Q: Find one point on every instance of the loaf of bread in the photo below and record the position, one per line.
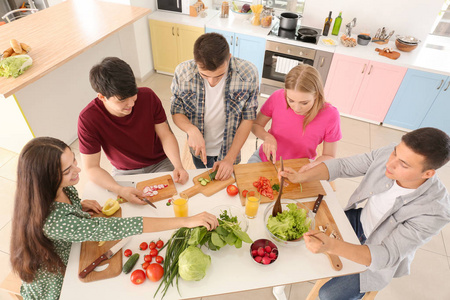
(25, 47)
(8, 52)
(16, 46)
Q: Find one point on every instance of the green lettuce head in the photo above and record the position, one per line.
(193, 263)
(15, 65)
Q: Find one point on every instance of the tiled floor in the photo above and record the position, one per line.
(430, 270)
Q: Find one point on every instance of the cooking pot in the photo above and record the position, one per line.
(288, 20)
(307, 34)
(289, 34)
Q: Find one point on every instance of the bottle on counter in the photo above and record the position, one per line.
(225, 9)
(337, 24)
(327, 25)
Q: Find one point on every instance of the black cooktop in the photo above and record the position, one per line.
(301, 33)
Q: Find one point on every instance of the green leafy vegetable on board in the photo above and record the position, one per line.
(15, 65)
(193, 263)
(276, 187)
(291, 224)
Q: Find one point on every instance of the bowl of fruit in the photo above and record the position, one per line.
(242, 13)
(263, 252)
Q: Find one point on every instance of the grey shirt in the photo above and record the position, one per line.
(413, 220)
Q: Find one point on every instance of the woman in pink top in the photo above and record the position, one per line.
(301, 120)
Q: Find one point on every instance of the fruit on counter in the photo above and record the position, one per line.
(110, 207)
(145, 265)
(154, 252)
(15, 65)
(137, 277)
(148, 258)
(128, 266)
(159, 244)
(143, 246)
(154, 272)
(244, 193)
(127, 253)
(159, 259)
(152, 245)
(245, 8)
(232, 190)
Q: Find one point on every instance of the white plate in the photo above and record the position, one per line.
(329, 42)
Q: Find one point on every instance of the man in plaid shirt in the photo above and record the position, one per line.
(215, 101)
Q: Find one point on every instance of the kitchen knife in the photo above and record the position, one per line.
(274, 165)
(317, 204)
(148, 202)
(107, 255)
(209, 171)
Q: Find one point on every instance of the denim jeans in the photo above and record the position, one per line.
(210, 160)
(346, 287)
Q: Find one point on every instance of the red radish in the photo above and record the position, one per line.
(266, 260)
(261, 251)
(258, 259)
(268, 249)
(254, 253)
(272, 255)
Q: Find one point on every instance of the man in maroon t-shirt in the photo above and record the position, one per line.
(131, 127)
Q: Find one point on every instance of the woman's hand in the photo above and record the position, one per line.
(202, 219)
(270, 147)
(91, 206)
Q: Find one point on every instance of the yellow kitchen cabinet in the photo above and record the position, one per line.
(172, 44)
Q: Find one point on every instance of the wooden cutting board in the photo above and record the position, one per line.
(246, 174)
(91, 251)
(165, 193)
(392, 55)
(209, 189)
(324, 218)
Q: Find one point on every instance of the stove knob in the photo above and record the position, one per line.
(301, 53)
(276, 48)
(289, 51)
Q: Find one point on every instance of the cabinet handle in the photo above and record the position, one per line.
(231, 41)
(447, 87)
(236, 41)
(173, 33)
(364, 68)
(371, 66)
(322, 61)
(178, 31)
(442, 81)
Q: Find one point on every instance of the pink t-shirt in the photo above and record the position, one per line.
(287, 128)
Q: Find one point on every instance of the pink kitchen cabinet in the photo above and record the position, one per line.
(362, 88)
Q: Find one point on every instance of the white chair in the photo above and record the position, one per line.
(18, 13)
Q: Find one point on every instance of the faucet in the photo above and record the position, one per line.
(349, 26)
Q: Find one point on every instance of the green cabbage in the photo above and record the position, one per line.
(193, 263)
(290, 224)
(15, 65)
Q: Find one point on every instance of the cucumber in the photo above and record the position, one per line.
(128, 266)
(203, 182)
(200, 179)
(207, 180)
(213, 175)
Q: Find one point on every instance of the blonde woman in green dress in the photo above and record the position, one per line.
(49, 216)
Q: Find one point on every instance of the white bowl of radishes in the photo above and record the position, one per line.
(264, 252)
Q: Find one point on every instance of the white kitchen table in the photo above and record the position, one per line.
(231, 270)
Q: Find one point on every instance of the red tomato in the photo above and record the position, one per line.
(137, 277)
(152, 245)
(159, 244)
(154, 252)
(154, 272)
(148, 258)
(127, 253)
(159, 259)
(232, 190)
(145, 265)
(244, 193)
(143, 246)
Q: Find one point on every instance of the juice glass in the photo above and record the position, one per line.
(252, 200)
(180, 205)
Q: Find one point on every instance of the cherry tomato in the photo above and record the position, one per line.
(145, 265)
(159, 259)
(159, 244)
(137, 277)
(232, 190)
(148, 258)
(152, 245)
(154, 252)
(143, 246)
(127, 253)
(244, 193)
(154, 272)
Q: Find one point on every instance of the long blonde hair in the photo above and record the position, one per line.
(305, 78)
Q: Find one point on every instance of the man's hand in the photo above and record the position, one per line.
(197, 142)
(132, 195)
(309, 166)
(290, 174)
(315, 245)
(224, 169)
(270, 147)
(91, 206)
(180, 176)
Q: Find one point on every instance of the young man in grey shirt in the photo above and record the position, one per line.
(406, 206)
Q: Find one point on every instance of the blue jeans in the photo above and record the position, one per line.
(210, 160)
(346, 287)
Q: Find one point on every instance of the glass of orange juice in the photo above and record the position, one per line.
(252, 200)
(180, 205)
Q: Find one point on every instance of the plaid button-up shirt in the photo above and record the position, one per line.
(240, 99)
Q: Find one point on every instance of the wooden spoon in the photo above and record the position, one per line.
(277, 206)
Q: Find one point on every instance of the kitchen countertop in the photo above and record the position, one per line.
(80, 26)
(179, 18)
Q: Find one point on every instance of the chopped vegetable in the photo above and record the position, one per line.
(276, 187)
(193, 263)
(110, 207)
(289, 225)
(15, 65)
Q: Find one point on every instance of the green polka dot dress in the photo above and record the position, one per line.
(68, 224)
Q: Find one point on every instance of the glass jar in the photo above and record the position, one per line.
(225, 9)
(266, 17)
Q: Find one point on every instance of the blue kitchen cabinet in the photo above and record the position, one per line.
(438, 115)
(414, 98)
(244, 46)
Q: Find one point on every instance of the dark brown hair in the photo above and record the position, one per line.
(305, 78)
(432, 143)
(211, 50)
(39, 176)
(113, 77)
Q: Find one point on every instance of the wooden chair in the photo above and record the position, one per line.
(319, 283)
(12, 284)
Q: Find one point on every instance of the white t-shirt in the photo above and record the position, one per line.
(214, 116)
(378, 205)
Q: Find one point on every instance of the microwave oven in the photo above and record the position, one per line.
(181, 6)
